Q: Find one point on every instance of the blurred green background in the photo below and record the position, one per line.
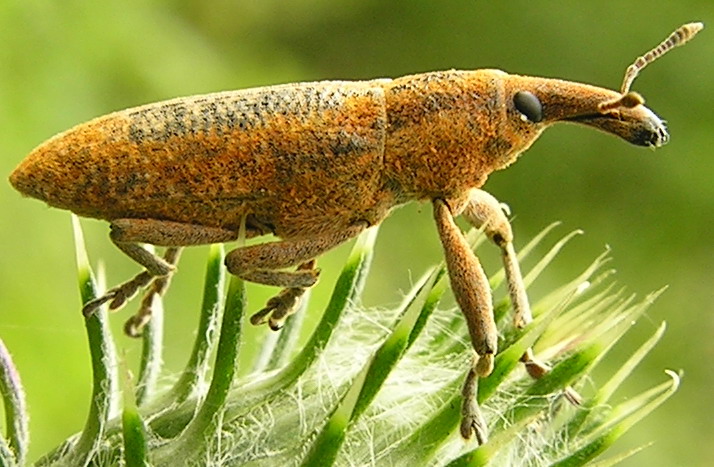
(62, 63)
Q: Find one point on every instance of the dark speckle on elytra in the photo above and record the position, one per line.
(207, 114)
(348, 144)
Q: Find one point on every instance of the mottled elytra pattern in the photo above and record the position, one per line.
(242, 110)
(280, 154)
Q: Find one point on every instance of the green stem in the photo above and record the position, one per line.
(199, 362)
(205, 425)
(103, 358)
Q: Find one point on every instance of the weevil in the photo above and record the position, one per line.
(317, 163)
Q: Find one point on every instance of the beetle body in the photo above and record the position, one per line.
(303, 159)
(317, 163)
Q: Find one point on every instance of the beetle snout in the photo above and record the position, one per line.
(625, 115)
(654, 131)
(638, 125)
(653, 134)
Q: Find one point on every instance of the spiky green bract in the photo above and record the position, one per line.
(176, 406)
(621, 419)
(194, 375)
(133, 430)
(104, 362)
(205, 425)
(134, 436)
(151, 358)
(13, 447)
(369, 381)
(383, 386)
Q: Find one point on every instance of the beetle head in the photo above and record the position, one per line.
(529, 105)
(542, 102)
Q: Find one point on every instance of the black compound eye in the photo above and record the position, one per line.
(528, 105)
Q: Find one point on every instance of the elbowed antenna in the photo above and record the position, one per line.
(629, 99)
(681, 36)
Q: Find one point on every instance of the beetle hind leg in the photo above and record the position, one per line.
(156, 289)
(127, 235)
(156, 268)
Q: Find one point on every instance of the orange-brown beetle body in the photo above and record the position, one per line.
(308, 159)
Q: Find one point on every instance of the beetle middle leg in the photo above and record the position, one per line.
(263, 264)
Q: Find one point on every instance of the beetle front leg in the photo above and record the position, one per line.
(484, 211)
(473, 294)
(263, 263)
(470, 286)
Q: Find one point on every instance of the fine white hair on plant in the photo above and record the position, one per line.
(382, 386)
